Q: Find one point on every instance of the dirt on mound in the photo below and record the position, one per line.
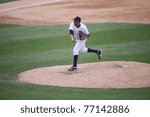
(113, 74)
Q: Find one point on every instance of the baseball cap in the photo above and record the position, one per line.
(77, 18)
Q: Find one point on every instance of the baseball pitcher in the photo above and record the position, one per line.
(79, 34)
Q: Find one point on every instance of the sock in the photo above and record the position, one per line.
(92, 50)
(75, 59)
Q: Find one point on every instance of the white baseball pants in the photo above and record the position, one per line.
(80, 47)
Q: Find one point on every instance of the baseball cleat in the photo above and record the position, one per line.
(99, 53)
(72, 69)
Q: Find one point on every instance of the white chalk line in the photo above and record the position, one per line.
(26, 6)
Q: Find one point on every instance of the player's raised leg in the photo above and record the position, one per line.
(98, 52)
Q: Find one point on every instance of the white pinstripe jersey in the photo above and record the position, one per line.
(76, 30)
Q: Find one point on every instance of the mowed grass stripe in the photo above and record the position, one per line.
(3, 1)
(18, 91)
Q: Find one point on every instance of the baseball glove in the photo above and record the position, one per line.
(82, 35)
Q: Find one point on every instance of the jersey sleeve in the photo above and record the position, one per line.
(71, 26)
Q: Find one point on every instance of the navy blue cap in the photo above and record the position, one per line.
(77, 18)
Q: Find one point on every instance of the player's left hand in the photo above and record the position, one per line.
(72, 40)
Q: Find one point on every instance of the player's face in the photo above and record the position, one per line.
(76, 23)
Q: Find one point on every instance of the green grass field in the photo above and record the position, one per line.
(27, 47)
(3, 1)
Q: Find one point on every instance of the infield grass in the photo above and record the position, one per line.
(27, 47)
(3, 1)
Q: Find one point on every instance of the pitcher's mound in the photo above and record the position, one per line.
(115, 74)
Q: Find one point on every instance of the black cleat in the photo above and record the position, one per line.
(72, 69)
(99, 53)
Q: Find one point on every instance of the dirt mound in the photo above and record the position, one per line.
(113, 74)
